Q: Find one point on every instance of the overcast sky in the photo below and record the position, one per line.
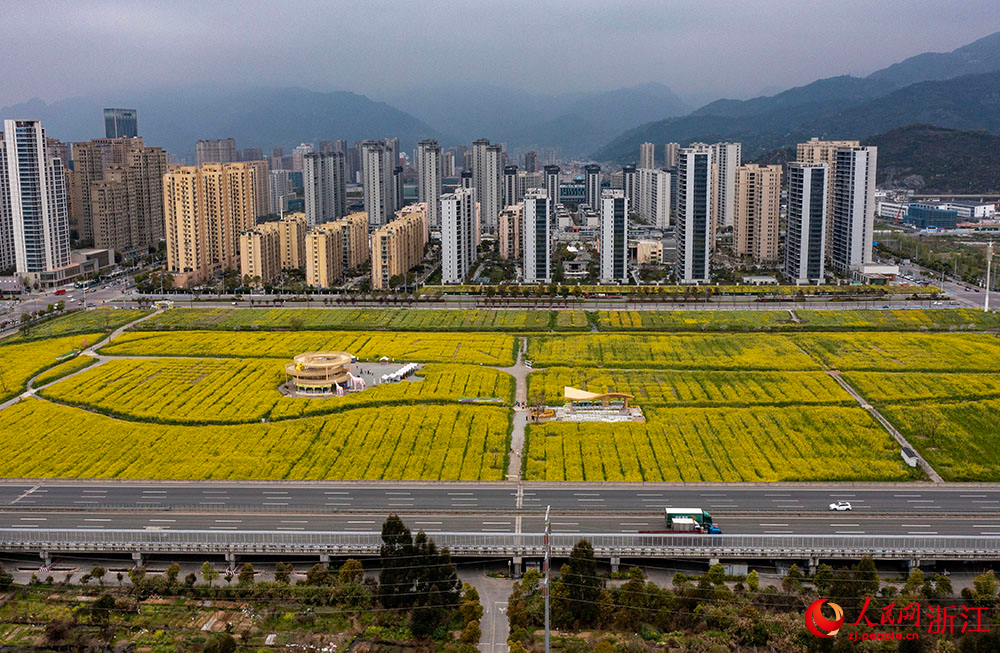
(699, 48)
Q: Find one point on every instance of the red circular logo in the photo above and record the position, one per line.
(815, 619)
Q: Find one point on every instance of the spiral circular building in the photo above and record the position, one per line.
(319, 372)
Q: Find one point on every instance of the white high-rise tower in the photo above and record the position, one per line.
(429, 180)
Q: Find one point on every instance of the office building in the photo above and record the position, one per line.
(805, 231)
(34, 209)
(429, 173)
(552, 187)
(670, 154)
(379, 190)
(220, 150)
(757, 193)
(653, 190)
(693, 221)
(509, 231)
(398, 246)
(647, 155)
(726, 157)
(325, 186)
(510, 188)
(630, 184)
(853, 207)
(592, 182)
(817, 151)
(260, 256)
(324, 260)
(531, 161)
(614, 236)
(121, 123)
(206, 209)
(458, 235)
(536, 239)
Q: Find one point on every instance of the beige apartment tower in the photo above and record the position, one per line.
(509, 233)
(757, 208)
(260, 256)
(399, 245)
(206, 209)
(817, 151)
(324, 254)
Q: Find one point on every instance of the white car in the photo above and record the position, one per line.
(840, 506)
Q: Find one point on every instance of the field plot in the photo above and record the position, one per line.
(944, 319)
(690, 387)
(893, 387)
(717, 351)
(817, 443)
(19, 361)
(230, 391)
(415, 319)
(102, 320)
(961, 440)
(900, 352)
(394, 443)
(694, 320)
(485, 348)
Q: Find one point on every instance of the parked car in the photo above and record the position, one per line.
(841, 506)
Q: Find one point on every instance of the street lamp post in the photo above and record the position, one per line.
(989, 262)
(545, 580)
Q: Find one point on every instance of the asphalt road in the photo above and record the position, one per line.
(572, 497)
(499, 508)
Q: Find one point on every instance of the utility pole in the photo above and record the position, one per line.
(545, 580)
(989, 261)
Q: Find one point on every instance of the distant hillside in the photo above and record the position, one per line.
(978, 57)
(938, 160)
(841, 106)
(263, 117)
(971, 103)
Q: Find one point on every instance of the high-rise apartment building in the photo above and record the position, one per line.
(398, 199)
(325, 186)
(379, 191)
(653, 190)
(429, 172)
(817, 151)
(399, 245)
(34, 209)
(121, 123)
(324, 260)
(647, 155)
(355, 242)
(252, 154)
(757, 194)
(805, 231)
(509, 231)
(536, 240)
(853, 207)
(206, 209)
(614, 236)
(299, 153)
(630, 184)
(280, 191)
(260, 256)
(693, 223)
(531, 161)
(458, 235)
(220, 150)
(552, 187)
(487, 175)
(261, 185)
(670, 154)
(510, 188)
(726, 157)
(448, 164)
(526, 180)
(291, 239)
(592, 184)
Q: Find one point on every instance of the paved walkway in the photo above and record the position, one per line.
(893, 431)
(520, 373)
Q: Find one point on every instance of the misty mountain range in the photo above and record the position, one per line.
(959, 89)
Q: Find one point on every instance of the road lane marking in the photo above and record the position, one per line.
(426, 522)
(228, 521)
(849, 532)
(915, 525)
(156, 520)
(271, 503)
(777, 532)
(774, 524)
(921, 532)
(361, 521)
